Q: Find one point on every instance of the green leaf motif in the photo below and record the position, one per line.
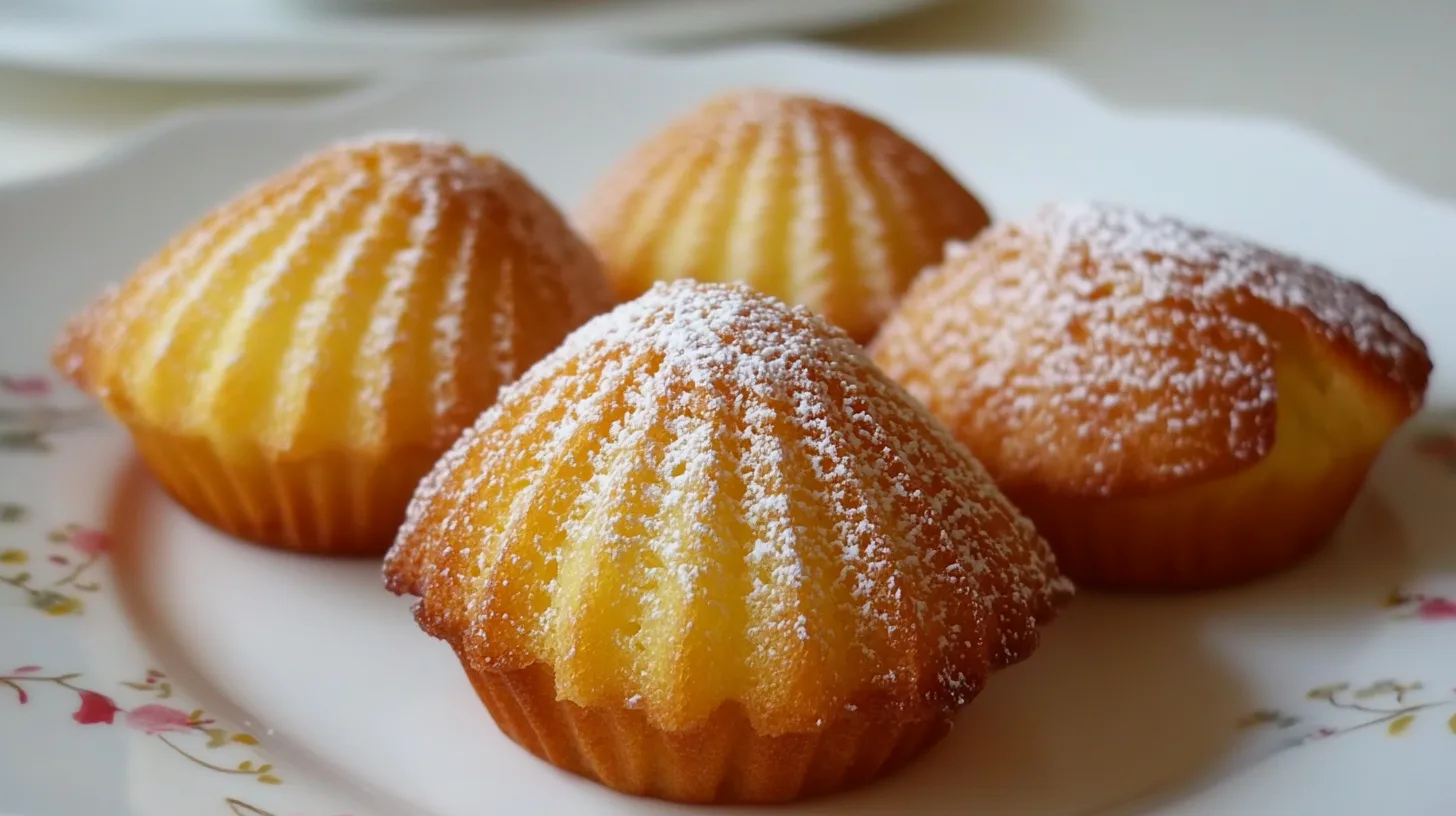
(269, 779)
(245, 765)
(1377, 689)
(11, 513)
(164, 690)
(216, 738)
(23, 442)
(1327, 692)
(14, 557)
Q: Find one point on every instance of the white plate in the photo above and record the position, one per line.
(326, 40)
(1342, 671)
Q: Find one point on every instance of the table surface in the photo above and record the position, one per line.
(1377, 78)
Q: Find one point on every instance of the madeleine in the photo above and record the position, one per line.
(292, 364)
(706, 552)
(806, 200)
(1174, 408)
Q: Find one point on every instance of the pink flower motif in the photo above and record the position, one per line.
(33, 386)
(91, 542)
(95, 708)
(1435, 609)
(26, 670)
(158, 719)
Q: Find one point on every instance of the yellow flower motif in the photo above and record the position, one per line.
(55, 604)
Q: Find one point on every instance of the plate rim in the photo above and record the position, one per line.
(154, 135)
(52, 46)
(159, 135)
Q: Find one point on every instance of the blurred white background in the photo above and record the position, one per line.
(1375, 77)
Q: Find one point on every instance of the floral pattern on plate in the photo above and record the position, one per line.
(1421, 606)
(153, 719)
(28, 418)
(56, 585)
(56, 578)
(1390, 704)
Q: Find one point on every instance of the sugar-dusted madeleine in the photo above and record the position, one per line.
(291, 365)
(705, 551)
(1173, 407)
(806, 200)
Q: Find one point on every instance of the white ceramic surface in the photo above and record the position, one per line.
(1330, 689)
(323, 40)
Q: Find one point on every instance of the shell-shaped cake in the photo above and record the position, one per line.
(1174, 407)
(705, 551)
(803, 199)
(291, 365)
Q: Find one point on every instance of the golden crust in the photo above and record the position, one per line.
(305, 348)
(722, 760)
(806, 200)
(706, 497)
(1094, 351)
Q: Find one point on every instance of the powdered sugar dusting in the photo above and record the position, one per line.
(1092, 332)
(748, 439)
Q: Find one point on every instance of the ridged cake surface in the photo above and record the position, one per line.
(1171, 404)
(807, 200)
(365, 305)
(707, 498)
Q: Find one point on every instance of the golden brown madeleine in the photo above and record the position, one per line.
(1173, 407)
(707, 552)
(291, 365)
(805, 200)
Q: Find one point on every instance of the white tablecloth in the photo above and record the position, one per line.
(1377, 77)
